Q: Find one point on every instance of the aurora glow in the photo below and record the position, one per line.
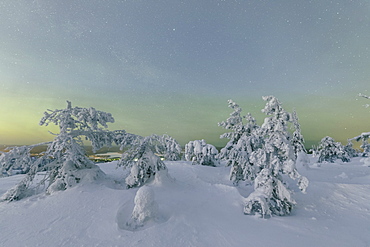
(170, 66)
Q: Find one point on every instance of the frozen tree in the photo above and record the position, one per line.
(297, 141)
(235, 124)
(270, 196)
(243, 140)
(16, 158)
(146, 208)
(11, 160)
(201, 153)
(329, 151)
(364, 137)
(164, 146)
(276, 158)
(348, 149)
(71, 163)
(241, 158)
(65, 160)
(297, 138)
(243, 167)
(140, 158)
(169, 148)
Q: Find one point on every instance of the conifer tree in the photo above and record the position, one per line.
(242, 142)
(297, 138)
(276, 158)
(235, 124)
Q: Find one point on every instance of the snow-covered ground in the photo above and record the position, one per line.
(197, 206)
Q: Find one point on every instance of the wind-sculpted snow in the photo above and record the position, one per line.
(196, 206)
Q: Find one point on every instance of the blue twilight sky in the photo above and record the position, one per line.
(170, 66)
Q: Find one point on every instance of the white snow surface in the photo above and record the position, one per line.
(197, 206)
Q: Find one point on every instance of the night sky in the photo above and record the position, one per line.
(170, 66)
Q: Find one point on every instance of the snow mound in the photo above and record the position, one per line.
(145, 211)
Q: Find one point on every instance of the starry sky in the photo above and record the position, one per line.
(170, 66)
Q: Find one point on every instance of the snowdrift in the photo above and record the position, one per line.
(192, 206)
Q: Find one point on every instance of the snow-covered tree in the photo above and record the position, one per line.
(201, 153)
(15, 158)
(235, 124)
(329, 150)
(141, 158)
(264, 155)
(297, 139)
(71, 163)
(270, 196)
(364, 137)
(348, 149)
(276, 158)
(65, 161)
(243, 140)
(365, 145)
(169, 148)
(243, 167)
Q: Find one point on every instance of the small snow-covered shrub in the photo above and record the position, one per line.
(16, 158)
(201, 153)
(146, 208)
(328, 150)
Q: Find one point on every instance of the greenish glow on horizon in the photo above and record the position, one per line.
(164, 67)
(186, 122)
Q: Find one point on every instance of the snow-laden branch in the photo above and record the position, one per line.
(366, 97)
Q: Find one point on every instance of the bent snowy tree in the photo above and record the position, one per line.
(64, 163)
